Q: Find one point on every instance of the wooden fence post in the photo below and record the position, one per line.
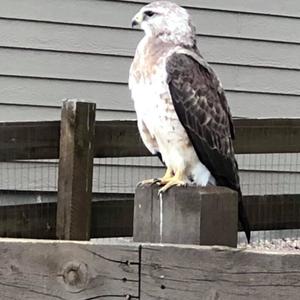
(186, 215)
(75, 170)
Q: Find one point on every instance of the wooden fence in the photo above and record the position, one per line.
(113, 216)
(51, 270)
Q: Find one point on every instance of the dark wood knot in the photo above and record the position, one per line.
(75, 276)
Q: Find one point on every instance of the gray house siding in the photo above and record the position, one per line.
(83, 49)
(54, 49)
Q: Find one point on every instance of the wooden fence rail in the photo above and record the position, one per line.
(83, 270)
(40, 140)
(112, 215)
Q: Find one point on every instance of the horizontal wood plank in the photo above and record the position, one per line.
(267, 136)
(38, 270)
(193, 273)
(35, 269)
(40, 140)
(112, 215)
(26, 140)
(273, 212)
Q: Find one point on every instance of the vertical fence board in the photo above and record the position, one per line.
(75, 170)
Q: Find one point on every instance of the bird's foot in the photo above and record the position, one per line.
(173, 182)
(169, 175)
(160, 181)
(149, 181)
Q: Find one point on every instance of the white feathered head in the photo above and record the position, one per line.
(167, 21)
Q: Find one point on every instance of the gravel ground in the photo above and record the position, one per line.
(284, 244)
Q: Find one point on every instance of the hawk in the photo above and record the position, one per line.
(182, 112)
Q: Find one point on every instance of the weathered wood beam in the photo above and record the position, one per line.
(193, 273)
(29, 140)
(75, 174)
(112, 215)
(32, 269)
(40, 140)
(273, 212)
(64, 270)
(121, 138)
(267, 136)
(186, 215)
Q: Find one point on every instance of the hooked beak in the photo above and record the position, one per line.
(137, 20)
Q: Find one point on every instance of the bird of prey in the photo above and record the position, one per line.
(182, 112)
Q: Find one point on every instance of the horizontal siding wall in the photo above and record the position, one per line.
(54, 49)
(50, 50)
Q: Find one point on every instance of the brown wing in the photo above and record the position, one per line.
(202, 108)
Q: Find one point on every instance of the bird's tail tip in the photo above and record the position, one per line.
(243, 218)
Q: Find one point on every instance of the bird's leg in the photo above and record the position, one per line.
(161, 181)
(178, 180)
(167, 177)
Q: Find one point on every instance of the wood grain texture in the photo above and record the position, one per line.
(75, 174)
(72, 270)
(36, 270)
(186, 215)
(193, 273)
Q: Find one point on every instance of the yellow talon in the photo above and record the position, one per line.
(160, 181)
(177, 180)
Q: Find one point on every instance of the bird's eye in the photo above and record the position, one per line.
(149, 13)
